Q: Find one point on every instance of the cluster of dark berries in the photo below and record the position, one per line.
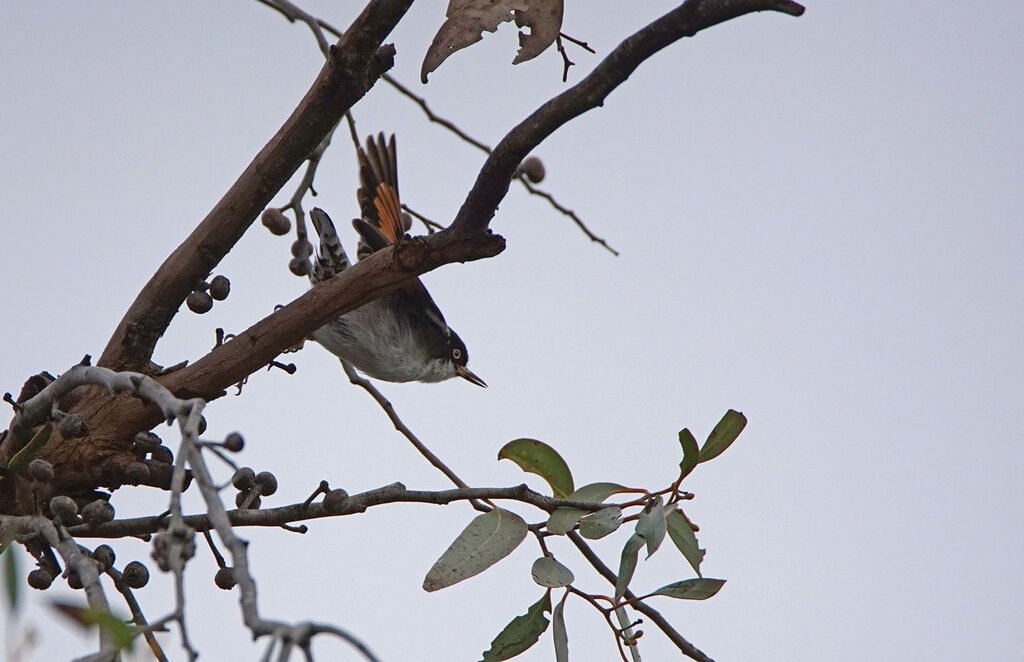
(201, 299)
(252, 486)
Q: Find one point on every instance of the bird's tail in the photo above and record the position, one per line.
(330, 257)
(383, 222)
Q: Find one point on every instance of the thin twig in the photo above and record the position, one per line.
(422, 103)
(607, 613)
(566, 62)
(352, 128)
(306, 184)
(684, 646)
(219, 519)
(582, 44)
(294, 13)
(429, 224)
(568, 212)
(86, 568)
(138, 617)
(389, 409)
(356, 503)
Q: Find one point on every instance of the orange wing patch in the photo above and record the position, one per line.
(389, 211)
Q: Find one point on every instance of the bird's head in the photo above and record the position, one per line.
(459, 357)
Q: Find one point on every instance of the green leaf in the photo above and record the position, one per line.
(627, 564)
(681, 533)
(691, 454)
(536, 457)
(564, 519)
(31, 449)
(558, 633)
(521, 632)
(723, 435)
(548, 572)
(122, 634)
(597, 492)
(488, 539)
(599, 524)
(10, 559)
(651, 525)
(692, 589)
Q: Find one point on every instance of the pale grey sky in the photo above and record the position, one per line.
(820, 222)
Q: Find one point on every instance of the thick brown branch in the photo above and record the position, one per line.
(368, 279)
(354, 64)
(685, 21)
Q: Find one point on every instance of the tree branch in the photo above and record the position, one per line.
(346, 76)
(363, 282)
(392, 415)
(466, 239)
(685, 21)
(354, 65)
(356, 503)
(684, 646)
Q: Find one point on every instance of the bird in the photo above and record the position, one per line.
(401, 336)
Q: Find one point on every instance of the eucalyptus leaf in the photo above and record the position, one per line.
(488, 539)
(692, 589)
(599, 524)
(564, 519)
(723, 435)
(691, 454)
(31, 449)
(548, 572)
(681, 533)
(121, 634)
(521, 632)
(536, 457)
(597, 492)
(651, 525)
(558, 634)
(627, 564)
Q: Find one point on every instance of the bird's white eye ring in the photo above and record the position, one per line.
(456, 353)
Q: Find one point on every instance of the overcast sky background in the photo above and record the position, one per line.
(820, 222)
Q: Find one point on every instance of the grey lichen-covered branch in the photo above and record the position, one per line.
(174, 545)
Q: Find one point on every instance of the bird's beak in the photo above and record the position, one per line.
(467, 374)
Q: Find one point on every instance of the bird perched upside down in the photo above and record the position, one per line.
(401, 336)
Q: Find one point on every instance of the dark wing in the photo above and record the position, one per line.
(381, 223)
(422, 314)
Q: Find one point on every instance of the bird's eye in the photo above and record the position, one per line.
(456, 353)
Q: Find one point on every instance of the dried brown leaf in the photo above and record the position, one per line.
(544, 18)
(467, 19)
